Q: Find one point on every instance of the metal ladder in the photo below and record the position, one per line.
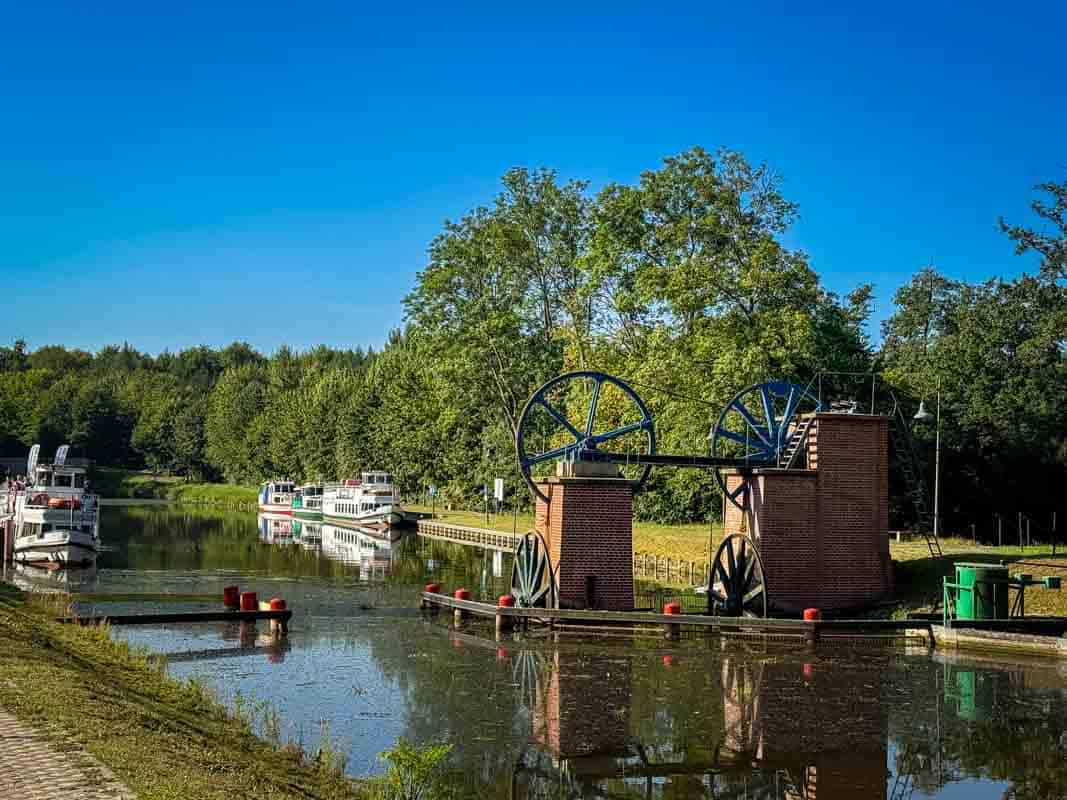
(904, 449)
(796, 443)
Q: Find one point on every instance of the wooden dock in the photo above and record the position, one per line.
(180, 617)
(461, 534)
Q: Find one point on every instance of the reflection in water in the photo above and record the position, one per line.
(544, 714)
(32, 578)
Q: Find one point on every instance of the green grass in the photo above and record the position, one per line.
(688, 542)
(120, 483)
(164, 739)
(918, 576)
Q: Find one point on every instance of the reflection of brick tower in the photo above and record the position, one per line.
(823, 531)
(786, 719)
(578, 712)
(588, 526)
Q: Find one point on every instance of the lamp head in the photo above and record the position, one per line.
(922, 415)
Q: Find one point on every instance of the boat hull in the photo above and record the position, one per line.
(56, 550)
(275, 508)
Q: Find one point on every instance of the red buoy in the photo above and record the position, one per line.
(506, 600)
(673, 607)
(461, 594)
(277, 604)
(231, 597)
(432, 588)
(249, 602)
(812, 615)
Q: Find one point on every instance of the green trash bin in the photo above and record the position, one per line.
(983, 592)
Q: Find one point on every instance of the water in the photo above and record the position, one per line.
(568, 716)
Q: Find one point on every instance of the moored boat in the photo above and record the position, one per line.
(276, 497)
(370, 500)
(307, 501)
(56, 520)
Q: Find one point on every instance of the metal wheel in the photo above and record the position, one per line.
(737, 587)
(533, 582)
(575, 413)
(757, 426)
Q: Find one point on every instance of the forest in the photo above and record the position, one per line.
(680, 282)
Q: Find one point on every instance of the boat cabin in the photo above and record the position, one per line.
(276, 492)
(376, 480)
(68, 480)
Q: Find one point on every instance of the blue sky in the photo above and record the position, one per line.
(274, 173)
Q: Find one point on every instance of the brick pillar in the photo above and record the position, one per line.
(588, 526)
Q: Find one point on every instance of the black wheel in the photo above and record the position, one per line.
(741, 681)
(533, 582)
(737, 586)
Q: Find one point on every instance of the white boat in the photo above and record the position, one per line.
(307, 502)
(57, 523)
(371, 553)
(370, 500)
(276, 497)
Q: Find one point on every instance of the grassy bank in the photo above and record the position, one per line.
(162, 738)
(689, 542)
(122, 483)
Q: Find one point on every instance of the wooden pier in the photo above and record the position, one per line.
(180, 617)
(461, 534)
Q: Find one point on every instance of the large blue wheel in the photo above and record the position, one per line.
(576, 413)
(757, 426)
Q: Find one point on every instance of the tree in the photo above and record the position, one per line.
(1050, 245)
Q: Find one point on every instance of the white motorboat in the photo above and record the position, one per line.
(57, 523)
(370, 500)
(276, 497)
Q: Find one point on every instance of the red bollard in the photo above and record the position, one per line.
(460, 615)
(668, 661)
(231, 598)
(427, 605)
(673, 608)
(504, 623)
(809, 672)
(278, 626)
(813, 615)
(249, 602)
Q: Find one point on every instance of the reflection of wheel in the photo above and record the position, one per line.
(574, 414)
(532, 581)
(737, 586)
(527, 668)
(758, 426)
(741, 681)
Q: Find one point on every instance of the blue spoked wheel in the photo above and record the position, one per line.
(756, 428)
(573, 416)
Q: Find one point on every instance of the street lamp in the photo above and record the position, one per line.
(922, 415)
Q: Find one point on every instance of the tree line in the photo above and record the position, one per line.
(680, 282)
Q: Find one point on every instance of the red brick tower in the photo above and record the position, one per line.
(823, 531)
(587, 524)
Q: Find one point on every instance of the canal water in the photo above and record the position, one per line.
(541, 715)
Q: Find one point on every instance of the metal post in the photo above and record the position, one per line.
(1054, 534)
(1000, 531)
(1020, 525)
(937, 466)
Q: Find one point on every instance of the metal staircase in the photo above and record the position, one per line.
(911, 469)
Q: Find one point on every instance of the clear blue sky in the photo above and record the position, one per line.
(274, 173)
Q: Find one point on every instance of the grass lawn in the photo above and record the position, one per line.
(109, 482)
(688, 542)
(165, 740)
(918, 576)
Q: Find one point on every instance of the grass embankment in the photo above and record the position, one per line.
(162, 738)
(918, 576)
(688, 542)
(120, 483)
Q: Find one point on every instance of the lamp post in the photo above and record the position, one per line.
(923, 415)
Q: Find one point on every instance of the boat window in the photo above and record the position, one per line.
(62, 480)
(79, 481)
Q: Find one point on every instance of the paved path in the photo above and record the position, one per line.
(34, 768)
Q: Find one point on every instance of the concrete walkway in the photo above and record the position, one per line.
(34, 768)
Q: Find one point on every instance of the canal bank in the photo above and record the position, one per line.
(160, 737)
